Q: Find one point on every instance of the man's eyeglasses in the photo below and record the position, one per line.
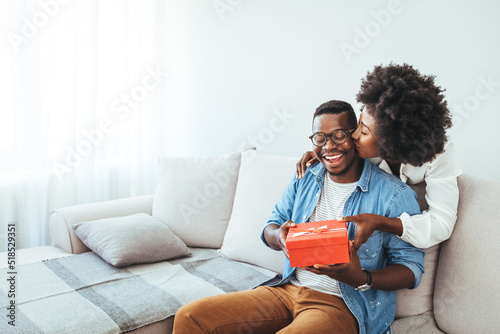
(339, 137)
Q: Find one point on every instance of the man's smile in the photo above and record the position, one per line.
(333, 158)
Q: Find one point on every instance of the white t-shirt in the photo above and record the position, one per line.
(330, 206)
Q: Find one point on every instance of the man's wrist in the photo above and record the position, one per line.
(277, 236)
(368, 282)
(271, 234)
(360, 278)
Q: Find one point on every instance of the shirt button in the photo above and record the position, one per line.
(304, 217)
(317, 195)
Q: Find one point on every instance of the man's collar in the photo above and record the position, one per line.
(317, 168)
(364, 180)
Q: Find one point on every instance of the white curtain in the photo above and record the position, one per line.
(83, 89)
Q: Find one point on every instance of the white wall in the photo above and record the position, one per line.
(235, 65)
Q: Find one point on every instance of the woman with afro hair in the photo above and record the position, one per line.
(402, 129)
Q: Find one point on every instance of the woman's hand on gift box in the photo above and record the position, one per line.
(367, 223)
(349, 273)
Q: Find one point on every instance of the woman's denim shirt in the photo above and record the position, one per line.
(376, 192)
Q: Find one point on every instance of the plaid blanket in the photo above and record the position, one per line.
(84, 294)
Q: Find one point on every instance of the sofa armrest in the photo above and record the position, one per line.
(62, 220)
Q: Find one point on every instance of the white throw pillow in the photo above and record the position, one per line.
(195, 197)
(262, 180)
(137, 238)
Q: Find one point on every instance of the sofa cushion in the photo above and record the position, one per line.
(466, 289)
(137, 238)
(418, 324)
(420, 300)
(262, 180)
(32, 255)
(195, 197)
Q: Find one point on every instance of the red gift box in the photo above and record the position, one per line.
(322, 242)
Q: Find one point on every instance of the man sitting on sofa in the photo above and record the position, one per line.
(355, 297)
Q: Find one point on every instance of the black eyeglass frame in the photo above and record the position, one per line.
(330, 136)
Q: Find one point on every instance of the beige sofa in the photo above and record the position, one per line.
(223, 202)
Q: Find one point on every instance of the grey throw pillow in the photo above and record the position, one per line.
(133, 239)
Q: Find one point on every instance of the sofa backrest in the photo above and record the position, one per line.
(466, 290)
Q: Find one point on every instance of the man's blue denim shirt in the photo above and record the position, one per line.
(376, 192)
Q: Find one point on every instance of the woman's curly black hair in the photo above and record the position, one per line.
(410, 112)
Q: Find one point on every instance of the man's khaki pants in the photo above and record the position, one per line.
(283, 309)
